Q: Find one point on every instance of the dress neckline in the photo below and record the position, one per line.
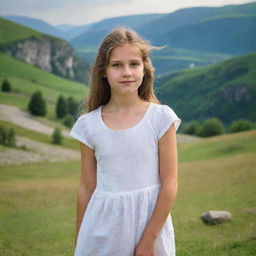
(127, 129)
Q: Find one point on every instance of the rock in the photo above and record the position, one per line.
(251, 210)
(216, 217)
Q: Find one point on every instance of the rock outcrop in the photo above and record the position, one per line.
(50, 54)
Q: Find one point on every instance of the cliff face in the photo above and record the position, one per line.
(49, 54)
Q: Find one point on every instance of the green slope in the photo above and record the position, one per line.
(26, 79)
(12, 32)
(229, 35)
(226, 90)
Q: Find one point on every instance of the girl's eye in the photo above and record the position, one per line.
(115, 65)
(135, 64)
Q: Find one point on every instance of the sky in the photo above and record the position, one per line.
(81, 12)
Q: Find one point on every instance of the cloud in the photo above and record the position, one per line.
(86, 11)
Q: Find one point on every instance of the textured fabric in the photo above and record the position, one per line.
(128, 183)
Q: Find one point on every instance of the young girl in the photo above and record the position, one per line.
(128, 156)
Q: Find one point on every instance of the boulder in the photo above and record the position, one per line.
(216, 217)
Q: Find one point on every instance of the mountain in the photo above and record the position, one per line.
(228, 35)
(37, 24)
(49, 53)
(64, 31)
(196, 36)
(95, 34)
(226, 90)
(189, 16)
(65, 27)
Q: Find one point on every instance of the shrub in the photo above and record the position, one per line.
(212, 127)
(69, 121)
(61, 107)
(10, 140)
(57, 137)
(6, 86)
(3, 135)
(241, 125)
(37, 105)
(7, 137)
(193, 128)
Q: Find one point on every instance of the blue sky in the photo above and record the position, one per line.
(80, 12)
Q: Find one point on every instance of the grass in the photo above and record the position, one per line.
(224, 184)
(218, 146)
(37, 136)
(38, 203)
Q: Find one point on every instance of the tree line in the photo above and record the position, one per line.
(213, 126)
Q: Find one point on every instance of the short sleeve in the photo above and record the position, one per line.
(165, 118)
(80, 132)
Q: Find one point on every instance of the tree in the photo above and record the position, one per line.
(69, 121)
(193, 128)
(212, 127)
(37, 105)
(6, 86)
(241, 125)
(57, 137)
(61, 107)
(72, 106)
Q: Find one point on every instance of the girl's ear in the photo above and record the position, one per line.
(104, 75)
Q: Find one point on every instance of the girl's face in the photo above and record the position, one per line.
(125, 69)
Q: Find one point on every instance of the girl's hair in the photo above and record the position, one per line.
(100, 91)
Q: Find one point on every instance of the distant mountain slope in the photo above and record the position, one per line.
(95, 34)
(36, 24)
(188, 16)
(64, 31)
(226, 90)
(229, 35)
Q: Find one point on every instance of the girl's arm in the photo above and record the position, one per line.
(87, 183)
(169, 176)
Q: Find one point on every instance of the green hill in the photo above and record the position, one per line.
(228, 35)
(12, 32)
(47, 52)
(226, 90)
(25, 79)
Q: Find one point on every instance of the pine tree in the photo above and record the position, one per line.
(72, 106)
(6, 86)
(61, 107)
(37, 105)
(57, 137)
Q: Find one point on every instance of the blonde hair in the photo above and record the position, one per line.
(100, 91)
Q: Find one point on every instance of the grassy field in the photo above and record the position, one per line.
(38, 202)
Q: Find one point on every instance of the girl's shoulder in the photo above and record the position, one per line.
(164, 116)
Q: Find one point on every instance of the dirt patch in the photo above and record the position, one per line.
(26, 120)
(36, 152)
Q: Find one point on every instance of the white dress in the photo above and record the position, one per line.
(128, 183)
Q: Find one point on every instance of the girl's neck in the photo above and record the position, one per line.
(125, 103)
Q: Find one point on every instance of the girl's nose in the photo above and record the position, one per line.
(127, 71)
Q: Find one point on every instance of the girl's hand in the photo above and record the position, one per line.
(145, 247)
